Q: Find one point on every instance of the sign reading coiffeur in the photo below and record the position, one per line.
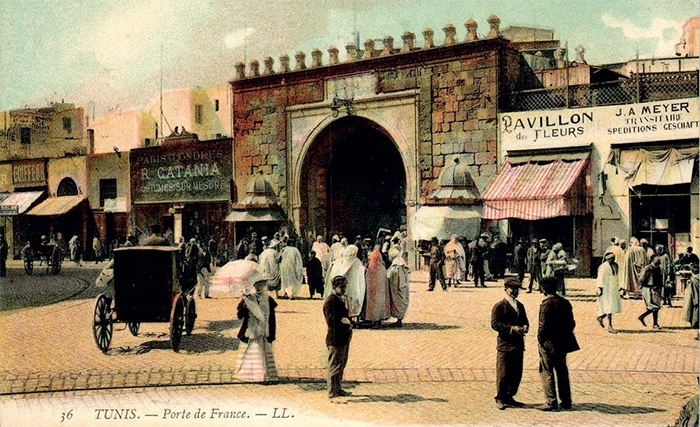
(189, 172)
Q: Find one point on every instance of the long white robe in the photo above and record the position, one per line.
(291, 270)
(609, 302)
(270, 268)
(350, 267)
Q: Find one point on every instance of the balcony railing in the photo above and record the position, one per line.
(638, 88)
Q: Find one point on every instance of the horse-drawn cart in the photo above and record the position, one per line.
(48, 253)
(147, 287)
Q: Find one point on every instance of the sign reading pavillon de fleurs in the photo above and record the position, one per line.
(193, 172)
(652, 121)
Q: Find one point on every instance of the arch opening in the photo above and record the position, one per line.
(67, 187)
(353, 180)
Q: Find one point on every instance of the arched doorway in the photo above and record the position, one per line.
(67, 187)
(353, 180)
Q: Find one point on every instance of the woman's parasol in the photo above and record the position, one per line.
(236, 278)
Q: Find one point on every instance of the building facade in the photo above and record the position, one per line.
(42, 174)
(360, 144)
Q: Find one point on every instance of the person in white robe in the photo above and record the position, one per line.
(350, 267)
(323, 252)
(608, 290)
(291, 270)
(270, 268)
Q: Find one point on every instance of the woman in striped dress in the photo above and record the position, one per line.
(257, 363)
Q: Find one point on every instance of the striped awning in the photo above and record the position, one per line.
(54, 206)
(540, 186)
(17, 203)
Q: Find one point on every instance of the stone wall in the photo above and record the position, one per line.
(456, 88)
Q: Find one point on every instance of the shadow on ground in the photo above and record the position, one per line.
(190, 344)
(398, 398)
(606, 408)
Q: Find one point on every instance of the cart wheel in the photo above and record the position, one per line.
(190, 316)
(28, 266)
(177, 322)
(102, 323)
(134, 328)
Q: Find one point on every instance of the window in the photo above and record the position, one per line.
(25, 135)
(147, 142)
(216, 105)
(108, 190)
(198, 114)
(67, 125)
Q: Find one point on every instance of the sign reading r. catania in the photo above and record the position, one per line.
(652, 121)
(188, 172)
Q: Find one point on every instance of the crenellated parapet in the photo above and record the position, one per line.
(371, 50)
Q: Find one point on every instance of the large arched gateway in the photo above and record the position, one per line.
(353, 180)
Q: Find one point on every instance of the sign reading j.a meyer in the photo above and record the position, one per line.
(652, 121)
(188, 172)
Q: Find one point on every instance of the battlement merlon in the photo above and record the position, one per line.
(355, 54)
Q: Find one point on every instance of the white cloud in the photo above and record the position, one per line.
(665, 32)
(238, 38)
(635, 32)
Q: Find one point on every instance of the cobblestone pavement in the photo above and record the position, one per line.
(438, 369)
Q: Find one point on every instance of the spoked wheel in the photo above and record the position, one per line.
(134, 328)
(102, 323)
(177, 322)
(190, 316)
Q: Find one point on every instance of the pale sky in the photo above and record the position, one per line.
(108, 53)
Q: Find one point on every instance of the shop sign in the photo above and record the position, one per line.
(29, 173)
(190, 172)
(9, 210)
(651, 121)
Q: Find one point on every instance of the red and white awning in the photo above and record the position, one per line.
(540, 186)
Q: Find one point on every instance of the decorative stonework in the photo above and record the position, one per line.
(269, 63)
(450, 34)
(284, 64)
(494, 23)
(471, 30)
(428, 42)
(409, 40)
(301, 61)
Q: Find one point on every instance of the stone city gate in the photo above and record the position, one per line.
(368, 142)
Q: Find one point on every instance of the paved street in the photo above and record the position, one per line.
(437, 370)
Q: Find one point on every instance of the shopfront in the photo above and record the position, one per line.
(184, 186)
(545, 194)
(641, 176)
(30, 185)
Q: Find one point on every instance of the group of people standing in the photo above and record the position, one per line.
(361, 286)
(638, 271)
(483, 260)
(555, 338)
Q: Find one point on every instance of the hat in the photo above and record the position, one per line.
(543, 240)
(534, 241)
(512, 282)
(609, 255)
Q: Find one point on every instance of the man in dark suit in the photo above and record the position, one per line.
(509, 319)
(338, 336)
(556, 339)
